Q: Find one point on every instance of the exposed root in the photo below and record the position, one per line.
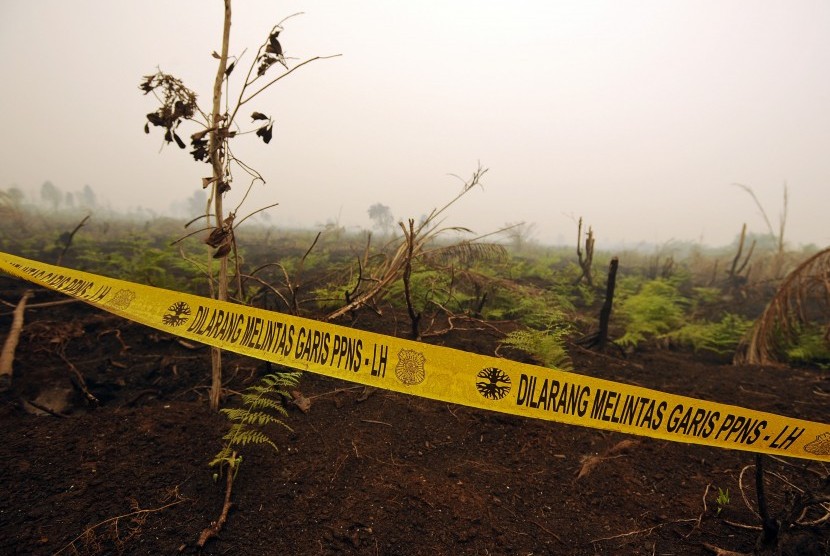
(139, 516)
(703, 513)
(638, 531)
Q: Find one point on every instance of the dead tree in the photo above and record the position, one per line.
(782, 216)
(586, 258)
(734, 279)
(414, 316)
(66, 239)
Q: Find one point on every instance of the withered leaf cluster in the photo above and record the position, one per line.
(221, 238)
(273, 53)
(177, 103)
(267, 130)
(200, 143)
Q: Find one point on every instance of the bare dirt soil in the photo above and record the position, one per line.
(367, 471)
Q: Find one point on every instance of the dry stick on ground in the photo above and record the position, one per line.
(10, 345)
(40, 305)
(78, 380)
(216, 526)
(638, 531)
(721, 552)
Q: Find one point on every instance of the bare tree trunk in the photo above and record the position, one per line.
(217, 161)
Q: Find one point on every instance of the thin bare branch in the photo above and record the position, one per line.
(286, 74)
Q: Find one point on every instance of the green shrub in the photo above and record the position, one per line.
(810, 347)
(655, 310)
(717, 337)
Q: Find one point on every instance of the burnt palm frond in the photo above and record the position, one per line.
(802, 299)
(466, 252)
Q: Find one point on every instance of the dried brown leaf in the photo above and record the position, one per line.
(588, 464)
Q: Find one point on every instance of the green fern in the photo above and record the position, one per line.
(811, 346)
(548, 346)
(261, 406)
(657, 309)
(717, 337)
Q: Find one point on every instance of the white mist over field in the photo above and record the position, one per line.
(637, 116)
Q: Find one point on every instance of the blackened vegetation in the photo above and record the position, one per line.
(221, 238)
(178, 103)
(273, 53)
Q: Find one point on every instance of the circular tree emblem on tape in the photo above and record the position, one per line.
(820, 446)
(494, 384)
(177, 314)
(410, 367)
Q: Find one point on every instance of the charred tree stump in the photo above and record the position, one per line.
(769, 526)
(605, 312)
(599, 339)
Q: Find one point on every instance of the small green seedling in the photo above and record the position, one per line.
(722, 500)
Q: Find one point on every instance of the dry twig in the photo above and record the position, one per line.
(115, 519)
(216, 526)
(10, 345)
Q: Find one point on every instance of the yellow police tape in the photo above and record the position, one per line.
(436, 372)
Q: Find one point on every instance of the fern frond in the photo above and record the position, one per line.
(242, 435)
(247, 417)
(259, 402)
(224, 456)
(261, 406)
(282, 379)
(255, 437)
(548, 346)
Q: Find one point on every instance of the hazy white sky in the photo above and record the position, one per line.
(636, 115)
